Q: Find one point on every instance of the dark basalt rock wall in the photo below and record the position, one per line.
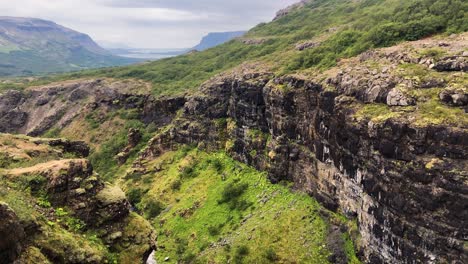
(406, 185)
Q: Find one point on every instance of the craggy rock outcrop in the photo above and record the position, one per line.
(11, 118)
(134, 137)
(289, 9)
(456, 63)
(397, 98)
(161, 111)
(12, 235)
(38, 109)
(70, 184)
(454, 97)
(78, 148)
(365, 85)
(405, 184)
(252, 41)
(307, 45)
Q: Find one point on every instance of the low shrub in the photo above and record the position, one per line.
(241, 252)
(153, 208)
(134, 196)
(214, 230)
(271, 255)
(231, 195)
(175, 185)
(232, 191)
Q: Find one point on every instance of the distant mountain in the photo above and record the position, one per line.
(217, 38)
(35, 46)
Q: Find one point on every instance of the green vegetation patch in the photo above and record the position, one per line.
(377, 113)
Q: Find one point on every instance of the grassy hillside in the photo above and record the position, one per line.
(341, 29)
(209, 208)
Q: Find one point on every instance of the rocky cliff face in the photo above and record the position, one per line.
(399, 172)
(12, 234)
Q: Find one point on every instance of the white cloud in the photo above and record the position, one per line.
(148, 23)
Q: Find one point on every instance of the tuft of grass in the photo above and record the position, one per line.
(153, 209)
(350, 250)
(241, 252)
(436, 53)
(377, 113)
(435, 113)
(52, 133)
(271, 255)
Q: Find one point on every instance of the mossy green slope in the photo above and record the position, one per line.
(208, 208)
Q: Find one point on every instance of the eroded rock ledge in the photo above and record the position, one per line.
(54, 189)
(39, 109)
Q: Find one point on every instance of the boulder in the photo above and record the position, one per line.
(454, 97)
(397, 98)
(456, 63)
(134, 137)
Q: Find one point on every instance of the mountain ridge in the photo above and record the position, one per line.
(217, 38)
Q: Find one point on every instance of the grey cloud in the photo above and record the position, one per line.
(241, 6)
(149, 23)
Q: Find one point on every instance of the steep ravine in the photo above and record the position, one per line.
(404, 181)
(373, 142)
(379, 173)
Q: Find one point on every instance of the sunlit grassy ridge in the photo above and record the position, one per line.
(208, 208)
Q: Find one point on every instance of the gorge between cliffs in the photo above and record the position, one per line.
(403, 183)
(336, 133)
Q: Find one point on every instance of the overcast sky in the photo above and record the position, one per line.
(148, 23)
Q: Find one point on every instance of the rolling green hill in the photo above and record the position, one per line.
(33, 46)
